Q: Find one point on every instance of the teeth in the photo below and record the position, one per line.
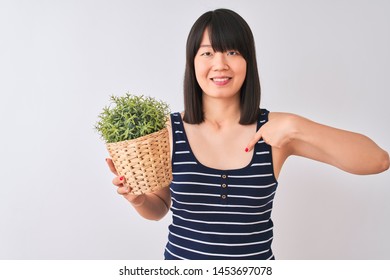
(220, 79)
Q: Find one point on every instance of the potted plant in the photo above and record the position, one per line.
(134, 129)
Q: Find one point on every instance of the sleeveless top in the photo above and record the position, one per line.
(220, 214)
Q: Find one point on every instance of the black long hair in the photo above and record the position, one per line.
(227, 31)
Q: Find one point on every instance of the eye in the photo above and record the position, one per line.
(206, 54)
(233, 53)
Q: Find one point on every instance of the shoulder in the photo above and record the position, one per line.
(288, 119)
(264, 113)
(173, 119)
(273, 115)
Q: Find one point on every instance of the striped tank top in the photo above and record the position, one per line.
(220, 214)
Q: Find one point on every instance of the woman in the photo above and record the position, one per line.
(227, 153)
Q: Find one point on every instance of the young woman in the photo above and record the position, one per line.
(227, 153)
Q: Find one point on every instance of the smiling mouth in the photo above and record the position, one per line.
(221, 80)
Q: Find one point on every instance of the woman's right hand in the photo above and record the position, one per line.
(125, 191)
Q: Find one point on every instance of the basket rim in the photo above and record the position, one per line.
(141, 138)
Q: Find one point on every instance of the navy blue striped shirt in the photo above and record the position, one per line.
(220, 214)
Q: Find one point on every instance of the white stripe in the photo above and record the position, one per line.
(176, 122)
(222, 205)
(223, 233)
(251, 176)
(197, 173)
(253, 187)
(219, 255)
(178, 131)
(263, 121)
(261, 164)
(251, 197)
(261, 142)
(196, 183)
(221, 212)
(220, 223)
(182, 152)
(262, 153)
(221, 244)
(184, 162)
(270, 257)
(175, 115)
(175, 255)
(200, 194)
(180, 142)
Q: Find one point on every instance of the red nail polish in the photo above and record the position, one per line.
(246, 149)
(121, 178)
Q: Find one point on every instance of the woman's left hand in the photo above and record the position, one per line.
(277, 132)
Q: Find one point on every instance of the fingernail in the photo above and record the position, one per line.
(246, 149)
(121, 178)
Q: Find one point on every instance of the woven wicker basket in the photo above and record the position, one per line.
(144, 162)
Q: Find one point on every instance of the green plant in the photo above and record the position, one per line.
(131, 116)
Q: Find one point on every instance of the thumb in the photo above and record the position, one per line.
(253, 141)
(111, 166)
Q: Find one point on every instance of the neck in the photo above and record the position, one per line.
(221, 112)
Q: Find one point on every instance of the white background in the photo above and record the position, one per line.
(60, 61)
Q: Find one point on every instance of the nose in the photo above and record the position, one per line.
(220, 62)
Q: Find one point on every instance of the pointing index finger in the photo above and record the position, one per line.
(253, 142)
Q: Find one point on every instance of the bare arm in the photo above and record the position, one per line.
(349, 151)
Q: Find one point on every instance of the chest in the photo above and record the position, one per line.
(221, 149)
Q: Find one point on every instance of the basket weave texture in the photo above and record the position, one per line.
(144, 162)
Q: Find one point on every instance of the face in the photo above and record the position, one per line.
(219, 74)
